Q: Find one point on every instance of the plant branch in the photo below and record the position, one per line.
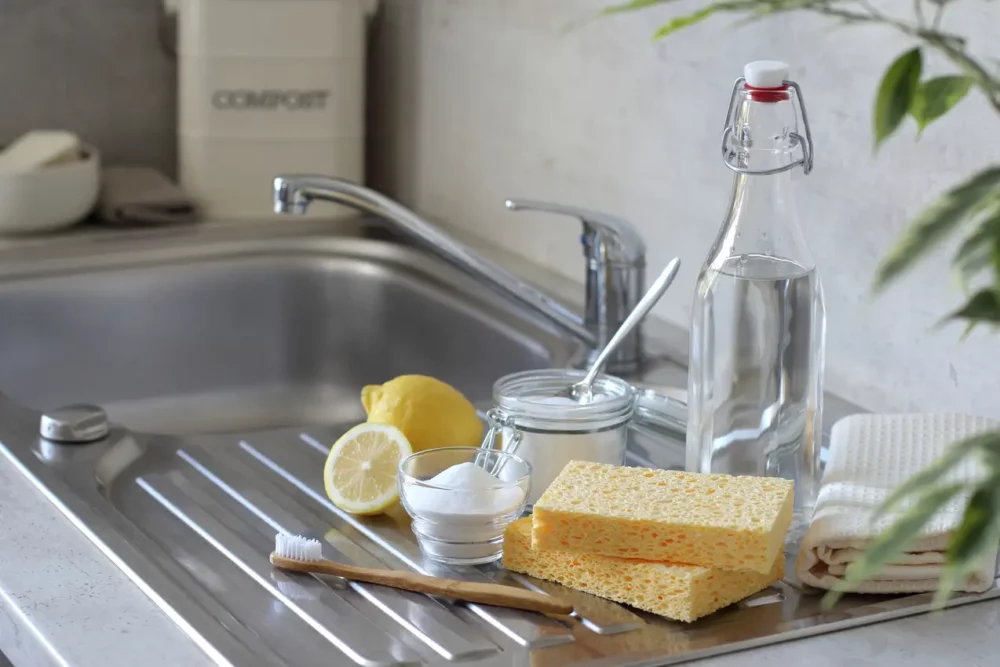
(875, 13)
(918, 9)
(950, 46)
(938, 15)
(968, 65)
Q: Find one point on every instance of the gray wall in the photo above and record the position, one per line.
(91, 66)
(485, 99)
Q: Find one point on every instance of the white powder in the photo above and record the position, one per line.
(561, 400)
(549, 452)
(458, 511)
(464, 489)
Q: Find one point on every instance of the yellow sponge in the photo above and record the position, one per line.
(719, 521)
(680, 592)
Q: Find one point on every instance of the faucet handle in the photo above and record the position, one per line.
(615, 277)
(606, 236)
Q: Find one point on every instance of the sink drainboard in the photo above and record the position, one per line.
(192, 520)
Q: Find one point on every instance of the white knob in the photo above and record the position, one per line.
(766, 73)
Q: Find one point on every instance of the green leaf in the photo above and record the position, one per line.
(933, 473)
(936, 97)
(985, 235)
(979, 250)
(971, 540)
(688, 20)
(975, 538)
(896, 92)
(893, 540)
(983, 306)
(972, 265)
(996, 266)
(936, 221)
(991, 455)
(681, 22)
(633, 6)
(760, 9)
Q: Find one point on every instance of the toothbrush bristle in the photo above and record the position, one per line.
(297, 547)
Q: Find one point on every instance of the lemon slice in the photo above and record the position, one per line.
(360, 472)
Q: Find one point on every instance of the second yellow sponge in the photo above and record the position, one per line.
(719, 521)
(680, 592)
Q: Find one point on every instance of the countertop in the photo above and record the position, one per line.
(64, 602)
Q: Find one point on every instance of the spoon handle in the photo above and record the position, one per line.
(647, 301)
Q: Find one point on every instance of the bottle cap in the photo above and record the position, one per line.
(766, 73)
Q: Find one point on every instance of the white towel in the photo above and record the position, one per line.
(870, 455)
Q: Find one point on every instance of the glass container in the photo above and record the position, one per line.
(457, 517)
(758, 320)
(548, 429)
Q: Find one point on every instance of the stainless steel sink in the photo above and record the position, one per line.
(230, 362)
(251, 335)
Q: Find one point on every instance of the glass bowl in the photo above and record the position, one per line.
(459, 508)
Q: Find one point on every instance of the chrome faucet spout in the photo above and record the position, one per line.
(288, 199)
(293, 193)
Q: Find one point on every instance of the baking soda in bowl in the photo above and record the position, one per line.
(459, 515)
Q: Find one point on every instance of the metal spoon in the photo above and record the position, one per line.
(582, 391)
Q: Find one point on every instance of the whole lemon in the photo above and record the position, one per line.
(429, 412)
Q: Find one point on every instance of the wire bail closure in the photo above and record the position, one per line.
(732, 148)
(498, 421)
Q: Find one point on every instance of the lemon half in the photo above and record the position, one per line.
(360, 472)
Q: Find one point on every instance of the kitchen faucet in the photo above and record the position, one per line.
(614, 251)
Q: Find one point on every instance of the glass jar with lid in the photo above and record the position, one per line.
(554, 429)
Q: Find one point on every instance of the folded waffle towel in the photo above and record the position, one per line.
(870, 455)
(143, 196)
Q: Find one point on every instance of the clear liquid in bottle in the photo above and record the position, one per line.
(758, 320)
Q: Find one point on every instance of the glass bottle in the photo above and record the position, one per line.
(758, 322)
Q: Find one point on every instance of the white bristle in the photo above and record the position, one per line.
(297, 547)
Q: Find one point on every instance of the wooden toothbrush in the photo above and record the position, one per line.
(301, 554)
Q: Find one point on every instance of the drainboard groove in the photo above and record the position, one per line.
(332, 618)
(315, 444)
(597, 614)
(424, 617)
(290, 465)
(298, 586)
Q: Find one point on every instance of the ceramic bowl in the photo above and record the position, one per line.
(50, 198)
